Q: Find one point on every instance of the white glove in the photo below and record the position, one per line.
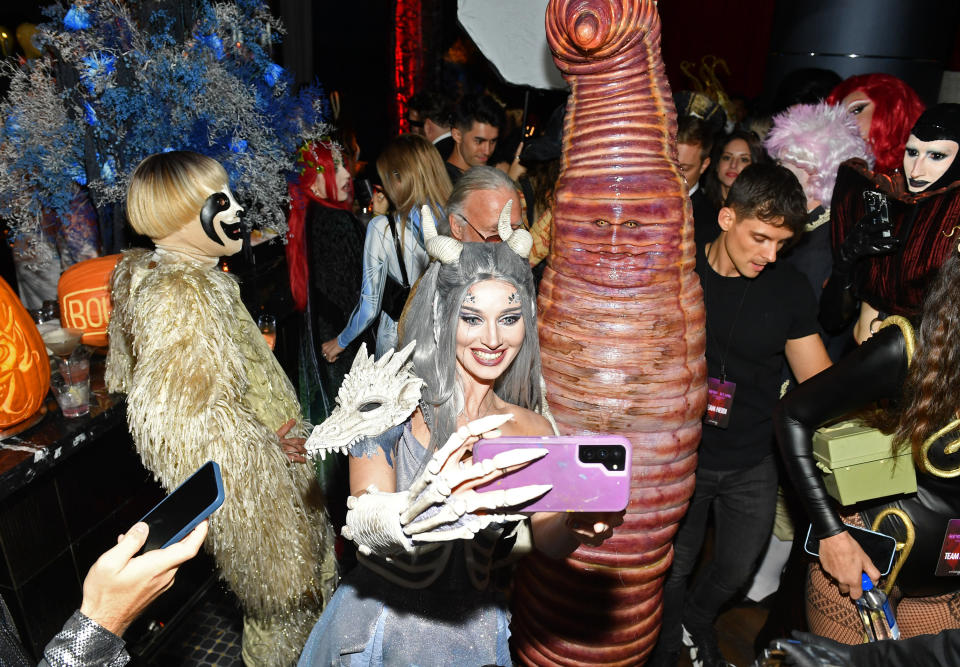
(432, 510)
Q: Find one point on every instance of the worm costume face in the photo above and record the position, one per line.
(621, 330)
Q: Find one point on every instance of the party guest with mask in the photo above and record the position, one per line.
(202, 385)
(888, 266)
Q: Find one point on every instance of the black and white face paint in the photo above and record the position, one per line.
(222, 213)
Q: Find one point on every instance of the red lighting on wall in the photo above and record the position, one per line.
(407, 56)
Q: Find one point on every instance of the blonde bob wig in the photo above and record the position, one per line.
(413, 174)
(167, 191)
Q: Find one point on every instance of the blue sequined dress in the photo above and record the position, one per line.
(437, 609)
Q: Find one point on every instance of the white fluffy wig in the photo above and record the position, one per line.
(817, 138)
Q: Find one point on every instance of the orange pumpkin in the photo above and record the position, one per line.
(84, 295)
(24, 367)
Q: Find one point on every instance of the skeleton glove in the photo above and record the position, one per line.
(432, 510)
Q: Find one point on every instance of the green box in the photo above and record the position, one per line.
(858, 464)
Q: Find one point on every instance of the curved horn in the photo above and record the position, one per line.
(444, 248)
(519, 240)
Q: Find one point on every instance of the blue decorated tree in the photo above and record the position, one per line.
(123, 80)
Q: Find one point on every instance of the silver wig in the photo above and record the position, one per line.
(432, 318)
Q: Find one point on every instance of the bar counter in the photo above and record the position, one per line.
(68, 487)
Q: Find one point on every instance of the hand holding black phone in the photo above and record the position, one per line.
(878, 546)
(186, 506)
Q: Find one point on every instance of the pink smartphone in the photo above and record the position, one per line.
(589, 473)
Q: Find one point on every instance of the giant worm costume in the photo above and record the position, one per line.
(621, 331)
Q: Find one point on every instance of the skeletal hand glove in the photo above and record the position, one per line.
(441, 505)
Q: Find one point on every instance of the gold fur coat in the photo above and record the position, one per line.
(202, 384)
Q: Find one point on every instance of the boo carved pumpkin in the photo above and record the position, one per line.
(24, 368)
(84, 295)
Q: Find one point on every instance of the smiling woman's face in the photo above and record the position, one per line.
(490, 330)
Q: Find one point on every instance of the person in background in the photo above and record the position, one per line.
(477, 121)
(811, 140)
(116, 590)
(412, 174)
(887, 259)
(914, 374)
(694, 143)
(433, 114)
(202, 384)
(758, 313)
(325, 255)
(731, 154)
(885, 109)
(474, 206)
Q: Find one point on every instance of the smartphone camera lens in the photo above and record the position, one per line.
(603, 454)
(587, 453)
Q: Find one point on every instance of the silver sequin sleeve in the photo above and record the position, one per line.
(84, 643)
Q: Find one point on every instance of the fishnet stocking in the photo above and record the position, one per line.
(833, 615)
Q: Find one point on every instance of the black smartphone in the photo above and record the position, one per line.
(880, 547)
(876, 204)
(189, 504)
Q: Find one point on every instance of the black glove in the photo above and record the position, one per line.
(808, 650)
(872, 236)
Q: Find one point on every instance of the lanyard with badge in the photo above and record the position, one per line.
(719, 391)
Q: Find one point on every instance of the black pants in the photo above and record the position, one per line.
(744, 502)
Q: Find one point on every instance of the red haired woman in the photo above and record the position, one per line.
(885, 109)
(324, 254)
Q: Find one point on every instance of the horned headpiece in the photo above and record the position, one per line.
(447, 249)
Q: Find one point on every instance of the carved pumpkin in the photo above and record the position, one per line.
(24, 367)
(84, 294)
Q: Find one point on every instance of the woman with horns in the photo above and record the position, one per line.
(429, 599)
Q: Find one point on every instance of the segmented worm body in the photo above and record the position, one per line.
(621, 331)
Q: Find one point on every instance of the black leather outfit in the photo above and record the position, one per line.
(872, 372)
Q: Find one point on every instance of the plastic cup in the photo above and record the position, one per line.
(71, 386)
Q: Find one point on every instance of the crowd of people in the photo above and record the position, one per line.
(855, 189)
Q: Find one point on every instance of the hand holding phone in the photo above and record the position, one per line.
(588, 473)
(850, 554)
(119, 586)
(186, 506)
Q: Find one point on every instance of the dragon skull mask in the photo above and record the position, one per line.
(374, 397)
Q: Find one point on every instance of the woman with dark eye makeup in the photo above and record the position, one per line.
(430, 595)
(887, 266)
(885, 109)
(731, 155)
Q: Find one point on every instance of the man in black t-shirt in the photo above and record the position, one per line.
(756, 313)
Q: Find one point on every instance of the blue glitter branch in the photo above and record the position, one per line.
(138, 90)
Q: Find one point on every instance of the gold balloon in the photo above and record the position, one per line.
(6, 41)
(25, 32)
